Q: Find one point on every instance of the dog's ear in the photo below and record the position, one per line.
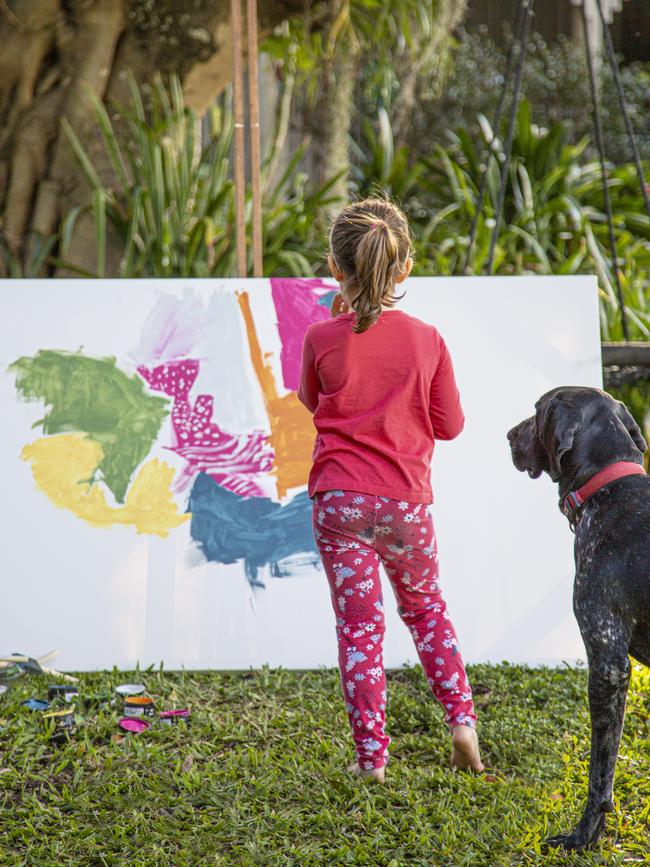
(631, 426)
(557, 426)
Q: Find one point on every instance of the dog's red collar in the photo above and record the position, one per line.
(575, 499)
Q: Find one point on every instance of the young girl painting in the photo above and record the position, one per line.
(381, 387)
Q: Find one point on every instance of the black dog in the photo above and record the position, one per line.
(591, 446)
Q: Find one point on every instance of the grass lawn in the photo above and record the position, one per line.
(259, 776)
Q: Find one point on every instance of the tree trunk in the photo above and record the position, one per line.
(327, 118)
(58, 52)
(429, 58)
(329, 124)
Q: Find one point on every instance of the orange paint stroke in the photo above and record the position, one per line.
(292, 431)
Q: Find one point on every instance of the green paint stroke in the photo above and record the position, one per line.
(91, 395)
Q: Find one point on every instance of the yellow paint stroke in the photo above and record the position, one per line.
(62, 466)
(292, 431)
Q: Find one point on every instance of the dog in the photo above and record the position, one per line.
(590, 445)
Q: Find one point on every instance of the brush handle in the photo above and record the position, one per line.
(67, 677)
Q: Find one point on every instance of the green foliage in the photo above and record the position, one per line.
(555, 82)
(380, 168)
(172, 206)
(553, 219)
(259, 776)
(17, 267)
(386, 31)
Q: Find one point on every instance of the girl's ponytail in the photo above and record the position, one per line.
(370, 243)
(376, 265)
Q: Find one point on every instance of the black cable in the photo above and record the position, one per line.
(611, 56)
(528, 14)
(598, 127)
(510, 65)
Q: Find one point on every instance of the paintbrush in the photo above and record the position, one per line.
(30, 663)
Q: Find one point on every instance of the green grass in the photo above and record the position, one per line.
(259, 776)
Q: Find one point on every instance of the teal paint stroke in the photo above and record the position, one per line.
(93, 396)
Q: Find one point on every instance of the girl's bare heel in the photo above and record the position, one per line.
(465, 754)
(377, 775)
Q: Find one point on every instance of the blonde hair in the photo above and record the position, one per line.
(370, 242)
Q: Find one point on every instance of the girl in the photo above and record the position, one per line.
(381, 386)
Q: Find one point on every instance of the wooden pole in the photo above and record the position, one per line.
(630, 354)
(238, 104)
(254, 132)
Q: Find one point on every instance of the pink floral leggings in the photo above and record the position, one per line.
(354, 532)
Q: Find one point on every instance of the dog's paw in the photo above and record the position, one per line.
(581, 838)
(565, 841)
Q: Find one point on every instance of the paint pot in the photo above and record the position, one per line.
(138, 706)
(3, 688)
(129, 724)
(65, 691)
(126, 689)
(36, 704)
(64, 722)
(173, 717)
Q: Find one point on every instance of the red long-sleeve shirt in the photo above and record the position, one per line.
(380, 399)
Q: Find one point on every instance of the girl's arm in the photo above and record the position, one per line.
(308, 389)
(445, 410)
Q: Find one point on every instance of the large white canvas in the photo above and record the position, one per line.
(111, 596)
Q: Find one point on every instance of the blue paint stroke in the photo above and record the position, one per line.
(228, 528)
(327, 298)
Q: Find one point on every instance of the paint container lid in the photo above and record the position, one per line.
(59, 714)
(183, 714)
(139, 701)
(126, 689)
(133, 724)
(36, 704)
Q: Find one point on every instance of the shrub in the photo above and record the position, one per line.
(555, 82)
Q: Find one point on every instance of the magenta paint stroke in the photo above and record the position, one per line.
(237, 462)
(174, 328)
(297, 305)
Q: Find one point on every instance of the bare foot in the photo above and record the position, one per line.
(465, 753)
(375, 774)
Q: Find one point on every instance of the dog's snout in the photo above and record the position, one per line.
(513, 433)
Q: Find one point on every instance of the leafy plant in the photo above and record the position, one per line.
(555, 82)
(173, 202)
(31, 265)
(553, 221)
(380, 166)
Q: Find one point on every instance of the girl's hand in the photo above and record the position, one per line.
(339, 305)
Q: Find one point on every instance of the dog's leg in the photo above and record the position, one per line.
(609, 675)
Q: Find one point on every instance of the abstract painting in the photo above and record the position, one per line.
(155, 458)
(243, 492)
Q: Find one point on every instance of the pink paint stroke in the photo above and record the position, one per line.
(235, 461)
(297, 306)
